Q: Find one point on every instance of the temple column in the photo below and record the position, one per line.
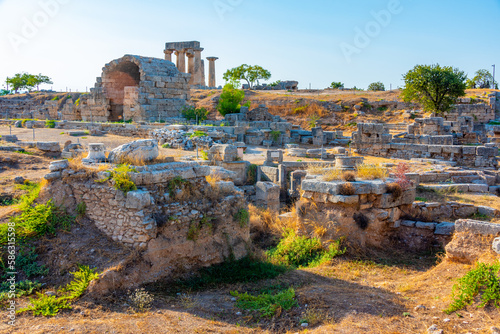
(181, 60)
(211, 71)
(168, 54)
(190, 56)
(197, 68)
(203, 80)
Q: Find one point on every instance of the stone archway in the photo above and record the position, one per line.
(115, 80)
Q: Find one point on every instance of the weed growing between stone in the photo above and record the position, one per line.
(122, 180)
(302, 251)
(266, 304)
(483, 281)
(242, 217)
(49, 306)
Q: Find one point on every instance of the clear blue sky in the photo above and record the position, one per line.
(295, 40)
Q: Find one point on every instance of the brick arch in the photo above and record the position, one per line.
(116, 77)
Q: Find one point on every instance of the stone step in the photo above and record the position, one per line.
(457, 187)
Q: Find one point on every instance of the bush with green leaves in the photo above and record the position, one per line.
(121, 178)
(302, 251)
(230, 100)
(35, 220)
(483, 281)
(50, 306)
(252, 174)
(266, 304)
(337, 85)
(192, 113)
(242, 217)
(376, 86)
(50, 124)
(435, 87)
(22, 288)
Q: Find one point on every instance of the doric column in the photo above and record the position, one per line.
(181, 60)
(211, 71)
(168, 54)
(190, 56)
(203, 81)
(198, 76)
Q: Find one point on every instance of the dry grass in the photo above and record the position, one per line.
(347, 189)
(269, 221)
(371, 172)
(395, 189)
(349, 176)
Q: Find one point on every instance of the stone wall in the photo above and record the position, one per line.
(374, 139)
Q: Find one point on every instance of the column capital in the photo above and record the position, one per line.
(169, 51)
(212, 58)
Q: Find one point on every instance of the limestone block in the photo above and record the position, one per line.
(477, 227)
(139, 150)
(58, 165)
(48, 146)
(138, 199)
(445, 228)
(426, 226)
(354, 199)
(320, 187)
(478, 188)
(52, 176)
(408, 223)
(225, 186)
(468, 150)
(496, 245)
(487, 211)
(465, 210)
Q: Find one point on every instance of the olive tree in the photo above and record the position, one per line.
(435, 87)
(251, 74)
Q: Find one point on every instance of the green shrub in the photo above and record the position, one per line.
(50, 124)
(242, 217)
(122, 181)
(49, 306)
(482, 281)
(230, 100)
(266, 304)
(26, 261)
(81, 208)
(275, 135)
(252, 174)
(198, 134)
(302, 251)
(190, 113)
(195, 228)
(55, 98)
(23, 288)
(23, 123)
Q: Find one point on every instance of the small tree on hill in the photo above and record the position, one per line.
(337, 85)
(433, 86)
(376, 86)
(27, 81)
(230, 100)
(251, 74)
(483, 79)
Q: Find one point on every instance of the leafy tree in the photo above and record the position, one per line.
(433, 86)
(376, 86)
(251, 74)
(18, 81)
(37, 80)
(190, 112)
(4, 92)
(27, 81)
(230, 100)
(482, 80)
(337, 85)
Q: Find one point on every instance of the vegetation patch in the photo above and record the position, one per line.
(242, 217)
(347, 189)
(50, 124)
(482, 282)
(266, 304)
(302, 251)
(49, 306)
